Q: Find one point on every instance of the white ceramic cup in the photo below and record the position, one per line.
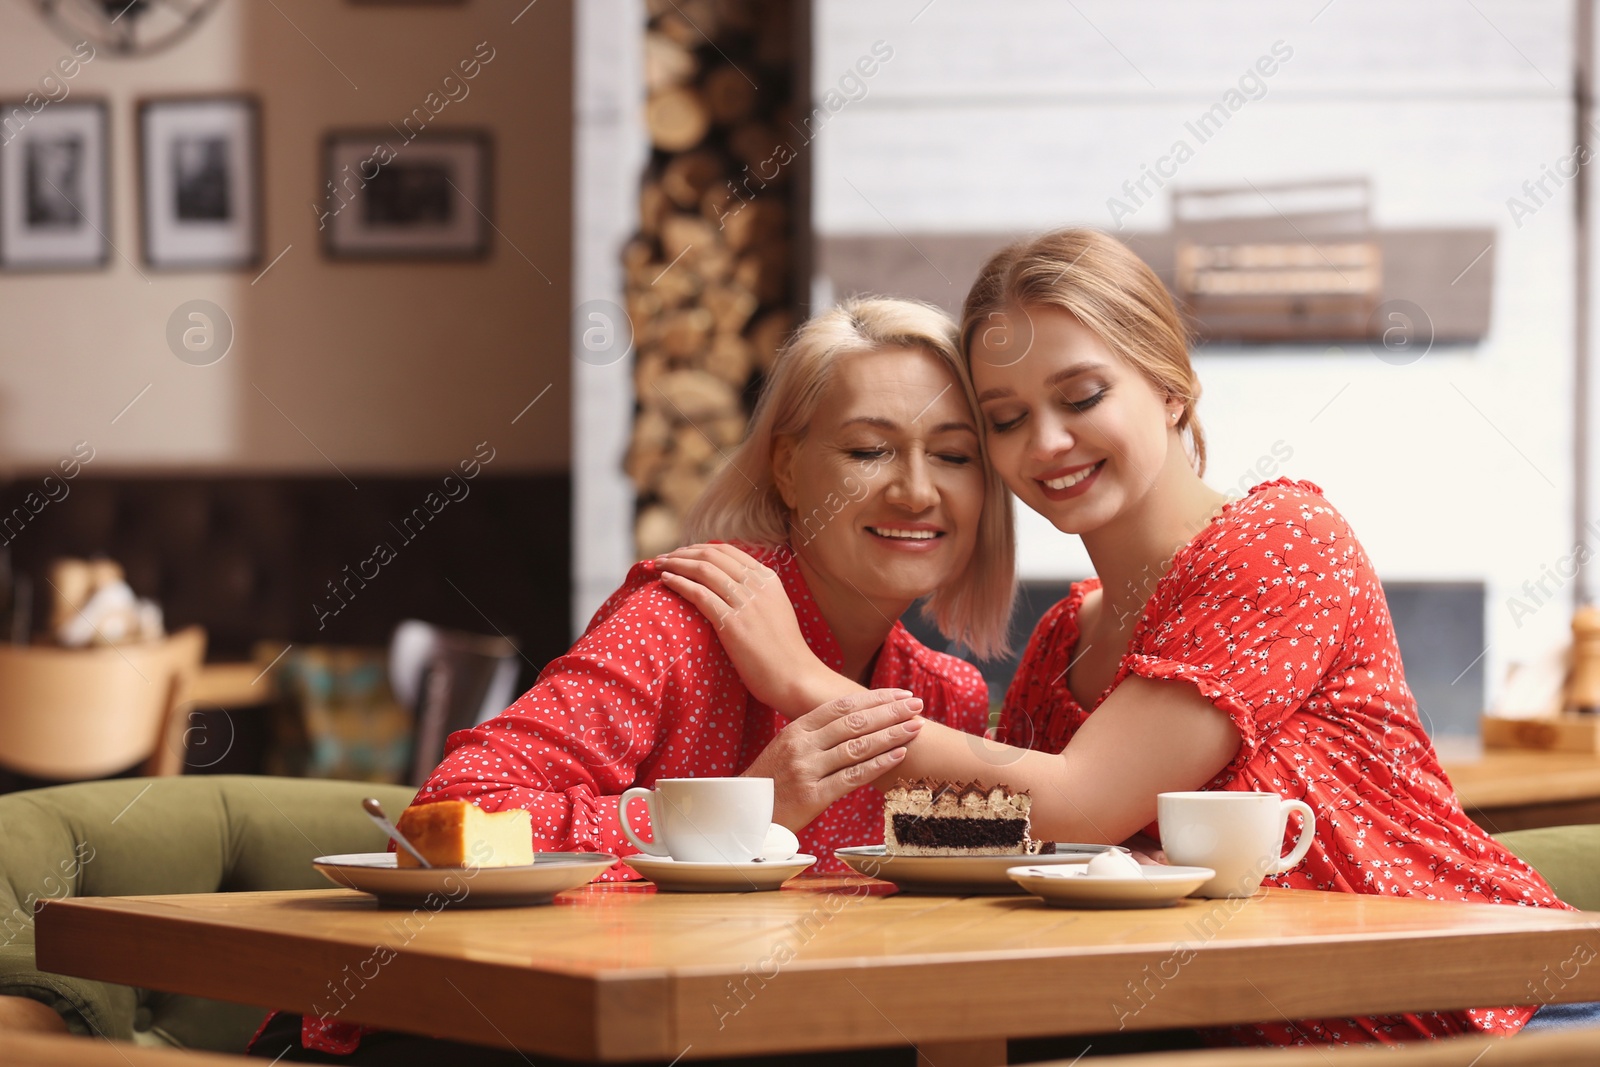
(704, 820)
(1238, 835)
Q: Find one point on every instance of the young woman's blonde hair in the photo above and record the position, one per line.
(742, 502)
(1104, 285)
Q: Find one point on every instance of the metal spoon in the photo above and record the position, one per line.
(375, 810)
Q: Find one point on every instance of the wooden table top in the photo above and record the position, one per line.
(619, 971)
(233, 685)
(1512, 777)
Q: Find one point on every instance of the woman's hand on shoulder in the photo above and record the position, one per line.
(834, 749)
(745, 602)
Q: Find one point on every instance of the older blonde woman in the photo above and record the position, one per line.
(861, 488)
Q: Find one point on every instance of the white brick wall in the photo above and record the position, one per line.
(610, 149)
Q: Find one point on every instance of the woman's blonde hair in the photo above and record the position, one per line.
(742, 502)
(1104, 285)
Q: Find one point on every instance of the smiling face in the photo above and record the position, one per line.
(1078, 434)
(886, 488)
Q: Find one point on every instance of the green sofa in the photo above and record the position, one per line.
(201, 834)
(1567, 856)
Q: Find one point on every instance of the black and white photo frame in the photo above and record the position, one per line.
(54, 186)
(386, 196)
(200, 188)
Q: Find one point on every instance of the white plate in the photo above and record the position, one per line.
(958, 874)
(463, 887)
(1156, 886)
(683, 877)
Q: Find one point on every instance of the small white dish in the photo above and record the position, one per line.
(463, 887)
(1156, 886)
(680, 876)
(958, 874)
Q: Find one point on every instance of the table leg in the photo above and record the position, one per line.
(987, 1052)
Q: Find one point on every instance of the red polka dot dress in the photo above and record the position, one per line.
(1274, 613)
(647, 693)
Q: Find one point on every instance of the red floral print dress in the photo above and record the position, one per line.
(1274, 613)
(647, 693)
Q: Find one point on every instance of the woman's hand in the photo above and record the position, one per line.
(829, 752)
(746, 602)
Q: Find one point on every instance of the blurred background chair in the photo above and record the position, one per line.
(74, 714)
(343, 719)
(197, 834)
(451, 680)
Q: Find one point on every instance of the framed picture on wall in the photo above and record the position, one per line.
(53, 186)
(200, 170)
(385, 197)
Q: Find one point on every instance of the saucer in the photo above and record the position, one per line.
(463, 887)
(958, 874)
(1156, 886)
(681, 876)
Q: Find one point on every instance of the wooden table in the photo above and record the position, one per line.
(241, 683)
(1516, 789)
(619, 971)
(231, 685)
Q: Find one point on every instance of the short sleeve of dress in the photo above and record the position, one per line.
(1253, 612)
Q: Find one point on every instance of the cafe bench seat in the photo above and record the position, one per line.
(133, 836)
(1569, 859)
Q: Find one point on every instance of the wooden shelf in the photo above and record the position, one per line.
(1560, 733)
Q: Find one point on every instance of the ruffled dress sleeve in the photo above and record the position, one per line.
(1253, 617)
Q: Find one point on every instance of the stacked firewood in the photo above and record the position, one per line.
(709, 275)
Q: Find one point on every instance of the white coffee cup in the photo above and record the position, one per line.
(1238, 835)
(705, 820)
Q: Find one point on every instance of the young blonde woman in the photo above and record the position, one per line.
(1240, 645)
(860, 489)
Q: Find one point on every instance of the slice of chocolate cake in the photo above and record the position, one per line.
(925, 818)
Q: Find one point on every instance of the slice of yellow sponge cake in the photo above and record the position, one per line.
(454, 833)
